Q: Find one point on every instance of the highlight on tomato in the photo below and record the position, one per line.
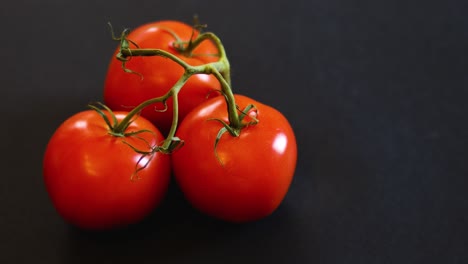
(148, 77)
(235, 178)
(102, 171)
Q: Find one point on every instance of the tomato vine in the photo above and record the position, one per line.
(243, 178)
(220, 69)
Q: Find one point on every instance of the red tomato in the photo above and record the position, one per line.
(122, 90)
(87, 172)
(254, 171)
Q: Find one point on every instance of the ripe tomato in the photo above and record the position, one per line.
(122, 90)
(251, 174)
(87, 172)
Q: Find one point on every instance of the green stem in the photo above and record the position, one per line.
(124, 53)
(175, 109)
(119, 129)
(220, 69)
(175, 120)
(225, 69)
(174, 91)
(230, 101)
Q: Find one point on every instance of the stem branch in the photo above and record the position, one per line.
(220, 69)
(124, 53)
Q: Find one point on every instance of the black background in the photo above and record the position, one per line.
(376, 92)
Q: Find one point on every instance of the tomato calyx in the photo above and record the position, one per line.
(235, 131)
(116, 128)
(119, 129)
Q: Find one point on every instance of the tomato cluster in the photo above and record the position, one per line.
(232, 157)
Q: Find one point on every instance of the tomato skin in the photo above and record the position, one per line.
(256, 168)
(87, 173)
(123, 91)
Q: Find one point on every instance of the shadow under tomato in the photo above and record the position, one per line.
(175, 230)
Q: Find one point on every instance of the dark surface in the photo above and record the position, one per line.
(375, 90)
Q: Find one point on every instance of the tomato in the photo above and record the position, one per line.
(246, 177)
(88, 172)
(122, 90)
